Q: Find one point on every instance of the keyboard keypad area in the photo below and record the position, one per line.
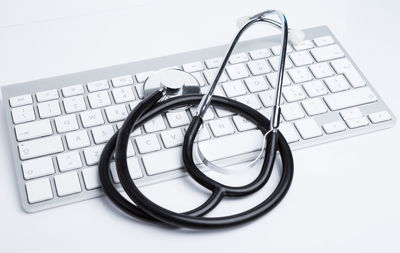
(60, 133)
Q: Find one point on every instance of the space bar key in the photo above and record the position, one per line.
(231, 145)
(214, 149)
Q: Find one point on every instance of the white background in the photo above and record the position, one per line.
(344, 196)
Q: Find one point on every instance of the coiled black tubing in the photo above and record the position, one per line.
(145, 209)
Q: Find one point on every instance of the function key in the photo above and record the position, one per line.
(46, 95)
(73, 90)
(213, 63)
(238, 58)
(260, 53)
(97, 85)
(193, 67)
(20, 100)
(324, 41)
(122, 81)
(141, 77)
(305, 44)
(277, 49)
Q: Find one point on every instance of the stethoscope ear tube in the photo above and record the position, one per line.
(143, 208)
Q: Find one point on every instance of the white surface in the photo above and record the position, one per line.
(344, 196)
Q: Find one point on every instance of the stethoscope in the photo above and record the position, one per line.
(173, 88)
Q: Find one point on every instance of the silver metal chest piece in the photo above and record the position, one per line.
(175, 81)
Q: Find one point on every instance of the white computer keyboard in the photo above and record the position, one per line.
(58, 126)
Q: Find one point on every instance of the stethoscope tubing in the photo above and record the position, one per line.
(146, 209)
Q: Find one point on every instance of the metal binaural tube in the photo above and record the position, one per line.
(275, 118)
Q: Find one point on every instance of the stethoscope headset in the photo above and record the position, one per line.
(163, 93)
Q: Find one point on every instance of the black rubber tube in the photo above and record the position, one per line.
(148, 210)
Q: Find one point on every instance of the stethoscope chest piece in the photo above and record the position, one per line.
(174, 82)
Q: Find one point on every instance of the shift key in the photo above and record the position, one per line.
(40, 147)
(350, 98)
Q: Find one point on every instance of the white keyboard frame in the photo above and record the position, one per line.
(108, 73)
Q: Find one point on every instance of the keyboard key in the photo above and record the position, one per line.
(122, 81)
(351, 98)
(357, 122)
(314, 106)
(73, 90)
(238, 58)
(351, 113)
(305, 44)
(123, 94)
(324, 41)
(97, 85)
(141, 77)
(69, 161)
(272, 78)
(67, 183)
(74, 104)
(260, 53)
(223, 113)
(171, 161)
(66, 123)
(215, 149)
(133, 166)
(289, 132)
(256, 83)
(38, 190)
(276, 60)
(301, 58)
(20, 100)
(47, 95)
(300, 75)
(293, 93)
(102, 134)
(342, 65)
(334, 127)
(40, 147)
(292, 111)
(308, 128)
(237, 71)
(207, 116)
(92, 154)
(354, 78)
(193, 67)
(315, 88)
(176, 119)
(379, 117)
(267, 97)
(77, 139)
(321, 70)
(221, 127)
(147, 143)
(91, 118)
(49, 109)
(91, 178)
(250, 100)
(199, 78)
(210, 75)
(278, 49)
(139, 90)
(33, 130)
(337, 83)
(38, 167)
(172, 138)
(259, 67)
(116, 113)
(155, 124)
(234, 88)
(243, 124)
(99, 99)
(213, 63)
(327, 53)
